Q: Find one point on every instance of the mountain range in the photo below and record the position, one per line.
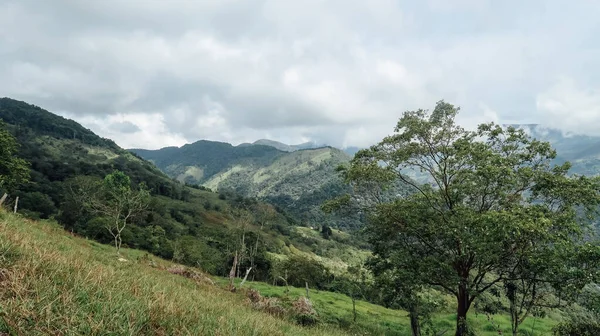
(190, 224)
(295, 178)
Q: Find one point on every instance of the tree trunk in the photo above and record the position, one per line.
(306, 282)
(3, 199)
(120, 241)
(415, 326)
(462, 309)
(511, 292)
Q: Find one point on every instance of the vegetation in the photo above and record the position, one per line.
(194, 226)
(113, 200)
(296, 182)
(53, 283)
(497, 211)
(13, 170)
(498, 242)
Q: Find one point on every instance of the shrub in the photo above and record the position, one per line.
(304, 313)
(580, 326)
(270, 305)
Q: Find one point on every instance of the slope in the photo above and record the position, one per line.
(298, 182)
(56, 284)
(191, 225)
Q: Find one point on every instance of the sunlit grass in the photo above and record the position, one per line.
(56, 284)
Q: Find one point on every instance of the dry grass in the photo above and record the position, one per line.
(52, 283)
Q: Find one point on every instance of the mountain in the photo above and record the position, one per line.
(287, 148)
(292, 148)
(582, 151)
(191, 225)
(298, 181)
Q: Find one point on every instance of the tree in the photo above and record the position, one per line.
(114, 199)
(13, 170)
(549, 277)
(493, 196)
(354, 282)
(326, 232)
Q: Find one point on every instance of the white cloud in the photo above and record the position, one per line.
(340, 71)
(570, 107)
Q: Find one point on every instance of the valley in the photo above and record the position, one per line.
(244, 226)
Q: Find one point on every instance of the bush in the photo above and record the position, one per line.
(270, 305)
(583, 325)
(304, 313)
(301, 270)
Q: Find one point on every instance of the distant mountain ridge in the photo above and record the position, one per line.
(350, 150)
(297, 179)
(583, 151)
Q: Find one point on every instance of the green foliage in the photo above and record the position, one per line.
(494, 208)
(62, 152)
(299, 270)
(586, 325)
(57, 284)
(13, 170)
(298, 183)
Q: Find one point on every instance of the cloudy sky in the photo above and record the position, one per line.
(151, 73)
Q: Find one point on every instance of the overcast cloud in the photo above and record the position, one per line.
(151, 74)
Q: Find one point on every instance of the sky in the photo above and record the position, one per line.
(150, 74)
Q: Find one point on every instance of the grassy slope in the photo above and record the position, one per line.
(53, 283)
(335, 308)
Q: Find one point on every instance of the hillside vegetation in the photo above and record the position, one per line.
(53, 283)
(191, 225)
(298, 182)
(59, 284)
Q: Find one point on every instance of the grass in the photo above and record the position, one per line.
(336, 309)
(52, 283)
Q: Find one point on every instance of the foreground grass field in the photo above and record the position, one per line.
(336, 309)
(54, 284)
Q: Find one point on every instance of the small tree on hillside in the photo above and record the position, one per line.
(114, 199)
(492, 195)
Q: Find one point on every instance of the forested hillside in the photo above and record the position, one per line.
(298, 182)
(191, 225)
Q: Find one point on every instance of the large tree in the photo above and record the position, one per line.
(13, 170)
(492, 199)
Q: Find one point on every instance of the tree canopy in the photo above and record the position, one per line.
(13, 170)
(494, 205)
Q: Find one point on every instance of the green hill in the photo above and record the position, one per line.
(298, 182)
(191, 225)
(52, 283)
(55, 283)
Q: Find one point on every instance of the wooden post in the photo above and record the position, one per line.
(3, 199)
(232, 272)
(246, 277)
(308, 297)
(16, 204)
